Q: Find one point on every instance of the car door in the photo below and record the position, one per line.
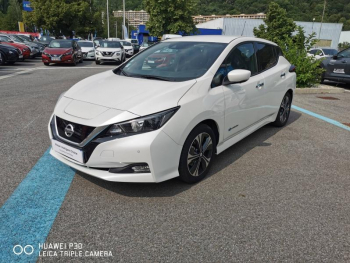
(242, 100)
(339, 66)
(274, 72)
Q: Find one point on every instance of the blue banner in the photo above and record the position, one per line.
(26, 6)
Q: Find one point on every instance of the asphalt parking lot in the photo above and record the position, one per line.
(281, 194)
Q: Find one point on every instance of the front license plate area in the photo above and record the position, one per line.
(56, 59)
(66, 150)
(339, 70)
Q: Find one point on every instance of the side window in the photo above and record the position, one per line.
(344, 54)
(266, 56)
(241, 57)
(319, 52)
(278, 51)
(313, 51)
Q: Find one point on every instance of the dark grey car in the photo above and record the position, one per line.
(337, 68)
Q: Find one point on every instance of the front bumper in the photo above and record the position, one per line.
(89, 55)
(114, 58)
(155, 148)
(64, 59)
(129, 53)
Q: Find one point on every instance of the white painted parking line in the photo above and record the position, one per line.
(17, 73)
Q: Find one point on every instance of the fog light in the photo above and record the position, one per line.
(141, 169)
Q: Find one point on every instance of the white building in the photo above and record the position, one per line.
(135, 18)
(344, 37)
(329, 37)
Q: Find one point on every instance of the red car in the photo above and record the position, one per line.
(161, 59)
(62, 51)
(5, 40)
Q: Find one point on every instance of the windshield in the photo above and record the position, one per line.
(44, 38)
(5, 39)
(16, 38)
(110, 44)
(126, 43)
(330, 52)
(25, 38)
(60, 44)
(86, 44)
(173, 61)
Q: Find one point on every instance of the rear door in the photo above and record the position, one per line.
(339, 68)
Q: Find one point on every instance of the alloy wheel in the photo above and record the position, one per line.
(285, 109)
(200, 154)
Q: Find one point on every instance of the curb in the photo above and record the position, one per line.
(319, 90)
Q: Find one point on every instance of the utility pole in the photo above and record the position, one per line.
(116, 29)
(107, 20)
(123, 18)
(324, 8)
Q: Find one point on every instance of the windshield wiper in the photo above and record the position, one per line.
(153, 77)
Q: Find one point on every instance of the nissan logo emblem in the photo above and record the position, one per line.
(69, 130)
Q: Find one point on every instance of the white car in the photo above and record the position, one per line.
(319, 53)
(109, 51)
(132, 41)
(149, 124)
(128, 47)
(88, 49)
(144, 46)
(169, 36)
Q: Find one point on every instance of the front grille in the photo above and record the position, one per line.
(107, 54)
(80, 131)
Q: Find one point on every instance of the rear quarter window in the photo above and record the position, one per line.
(266, 56)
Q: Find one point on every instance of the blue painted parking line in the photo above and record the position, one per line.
(27, 216)
(331, 121)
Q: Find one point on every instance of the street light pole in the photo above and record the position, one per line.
(116, 29)
(123, 18)
(107, 20)
(324, 8)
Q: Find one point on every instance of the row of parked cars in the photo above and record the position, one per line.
(18, 48)
(101, 50)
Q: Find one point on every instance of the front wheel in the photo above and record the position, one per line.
(97, 62)
(284, 111)
(46, 64)
(197, 154)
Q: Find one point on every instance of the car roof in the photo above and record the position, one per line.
(216, 39)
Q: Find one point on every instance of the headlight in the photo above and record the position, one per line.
(117, 53)
(98, 52)
(10, 52)
(141, 125)
(68, 53)
(44, 53)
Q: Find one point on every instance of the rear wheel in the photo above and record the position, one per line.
(284, 111)
(81, 60)
(197, 154)
(74, 61)
(46, 64)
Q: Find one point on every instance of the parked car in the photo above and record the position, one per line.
(162, 58)
(88, 49)
(132, 41)
(145, 45)
(136, 124)
(337, 68)
(25, 50)
(110, 51)
(30, 40)
(319, 53)
(62, 51)
(9, 54)
(169, 36)
(34, 49)
(129, 49)
(45, 40)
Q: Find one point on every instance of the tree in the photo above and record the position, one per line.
(170, 16)
(64, 16)
(12, 17)
(278, 26)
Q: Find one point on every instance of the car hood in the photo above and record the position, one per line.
(128, 47)
(108, 49)
(7, 47)
(86, 49)
(57, 51)
(135, 95)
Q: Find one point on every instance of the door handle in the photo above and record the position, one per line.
(260, 85)
(283, 75)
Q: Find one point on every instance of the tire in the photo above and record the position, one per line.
(322, 77)
(97, 62)
(2, 59)
(198, 167)
(284, 111)
(81, 60)
(11, 62)
(46, 64)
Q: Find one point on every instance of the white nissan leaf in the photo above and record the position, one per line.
(170, 109)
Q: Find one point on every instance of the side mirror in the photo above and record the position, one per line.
(237, 76)
(335, 57)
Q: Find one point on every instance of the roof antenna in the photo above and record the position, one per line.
(243, 27)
